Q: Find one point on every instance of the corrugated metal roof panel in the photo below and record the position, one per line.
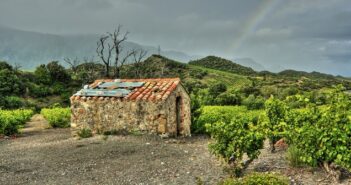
(103, 92)
(121, 84)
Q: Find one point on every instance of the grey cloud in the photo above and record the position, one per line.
(288, 33)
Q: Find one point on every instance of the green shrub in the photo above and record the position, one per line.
(234, 138)
(258, 179)
(323, 134)
(85, 133)
(57, 117)
(231, 97)
(12, 120)
(13, 102)
(275, 127)
(254, 103)
(212, 114)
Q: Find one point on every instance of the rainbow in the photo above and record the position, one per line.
(254, 21)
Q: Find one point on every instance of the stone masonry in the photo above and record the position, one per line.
(151, 108)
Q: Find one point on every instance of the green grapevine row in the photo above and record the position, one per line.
(12, 120)
(57, 117)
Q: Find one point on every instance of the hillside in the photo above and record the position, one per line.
(193, 76)
(30, 49)
(222, 64)
(249, 62)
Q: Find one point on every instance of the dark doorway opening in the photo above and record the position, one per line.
(178, 116)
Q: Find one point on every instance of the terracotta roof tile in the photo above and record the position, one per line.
(155, 89)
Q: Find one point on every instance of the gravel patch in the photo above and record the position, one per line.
(52, 156)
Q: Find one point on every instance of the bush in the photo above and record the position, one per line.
(57, 117)
(196, 110)
(12, 120)
(13, 102)
(258, 179)
(217, 89)
(228, 98)
(323, 134)
(212, 114)
(275, 127)
(254, 103)
(234, 138)
(85, 133)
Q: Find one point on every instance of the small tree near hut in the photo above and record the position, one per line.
(109, 50)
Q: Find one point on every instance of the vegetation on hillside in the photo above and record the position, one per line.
(235, 105)
(222, 64)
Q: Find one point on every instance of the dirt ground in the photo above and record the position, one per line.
(276, 162)
(52, 156)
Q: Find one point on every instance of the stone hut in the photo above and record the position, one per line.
(159, 106)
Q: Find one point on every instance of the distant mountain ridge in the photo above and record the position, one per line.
(222, 64)
(29, 49)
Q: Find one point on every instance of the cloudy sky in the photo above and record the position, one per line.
(299, 34)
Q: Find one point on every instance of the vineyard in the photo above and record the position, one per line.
(57, 117)
(241, 116)
(12, 120)
(318, 135)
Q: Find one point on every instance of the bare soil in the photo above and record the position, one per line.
(277, 163)
(51, 156)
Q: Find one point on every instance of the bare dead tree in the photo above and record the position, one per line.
(118, 39)
(73, 63)
(104, 53)
(109, 50)
(138, 56)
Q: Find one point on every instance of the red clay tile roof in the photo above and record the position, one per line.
(155, 89)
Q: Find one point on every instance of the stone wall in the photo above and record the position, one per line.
(171, 115)
(106, 114)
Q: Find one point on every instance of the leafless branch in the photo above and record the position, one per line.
(72, 63)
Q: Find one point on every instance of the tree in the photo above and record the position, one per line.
(217, 89)
(104, 53)
(138, 56)
(231, 97)
(73, 63)
(10, 84)
(57, 72)
(109, 46)
(5, 65)
(89, 71)
(42, 75)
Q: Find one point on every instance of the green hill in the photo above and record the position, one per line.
(157, 66)
(222, 64)
(211, 70)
